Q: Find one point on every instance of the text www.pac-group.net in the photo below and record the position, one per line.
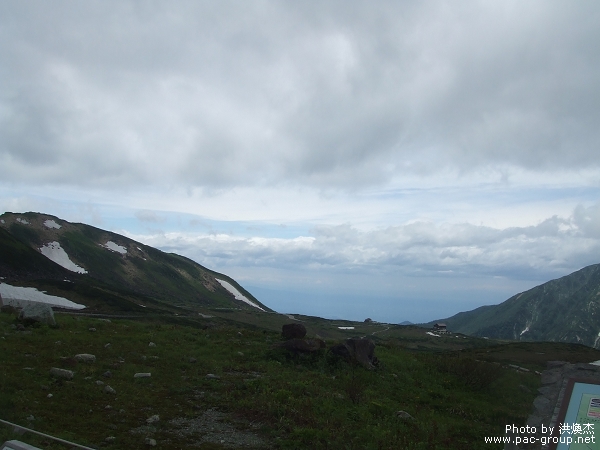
(569, 434)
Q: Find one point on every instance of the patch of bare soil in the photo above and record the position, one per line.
(217, 428)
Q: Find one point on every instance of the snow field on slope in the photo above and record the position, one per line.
(54, 252)
(12, 294)
(237, 294)
(115, 247)
(52, 224)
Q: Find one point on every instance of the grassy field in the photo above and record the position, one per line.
(222, 383)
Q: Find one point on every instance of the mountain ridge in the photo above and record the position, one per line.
(86, 264)
(566, 309)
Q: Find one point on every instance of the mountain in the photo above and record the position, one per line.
(105, 271)
(563, 310)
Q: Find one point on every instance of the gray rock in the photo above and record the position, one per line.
(100, 383)
(360, 350)
(92, 329)
(62, 373)
(142, 375)
(151, 344)
(107, 374)
(404, 415)
(193, 360)
(110, 439)
(150, 442)
(293, 331)
(85, 357)
(154, 418)
(35, 312)
(212, 376)
(108, 390)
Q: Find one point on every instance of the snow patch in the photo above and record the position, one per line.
(52, 224)
(346, 328)
(2, 220)
(237, 294)
(23, 221)
(524, 331)
(54, 252)
(115, 247)
(433, 334)
(19, 296)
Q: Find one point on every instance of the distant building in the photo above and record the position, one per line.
(439, 328)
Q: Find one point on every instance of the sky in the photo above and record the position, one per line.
(344, 159)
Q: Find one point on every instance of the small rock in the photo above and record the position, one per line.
(20, 327)
(112, 426)
(193, 360)
(110, 439)
(212, 376)
(108, 407)
(107, 345)
(58, 342)
(85, 357)
(100, 383)
(108, 390)
(62, 373)
(107, 374)
(44, 387)
(154, 418)
(31, 418)
(151, 344)
(142, 375)
(150, 442)
(144, 358)
(49, 395)
(404, 415)
(91, 329)
(240, 354)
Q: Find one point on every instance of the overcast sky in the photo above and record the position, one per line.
(396, 160)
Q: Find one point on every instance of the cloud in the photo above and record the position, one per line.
(126, 94)
(551, 248)
(147, 216)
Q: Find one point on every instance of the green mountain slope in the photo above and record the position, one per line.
(563, 310)
(119, 273)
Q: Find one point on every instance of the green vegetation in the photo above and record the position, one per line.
(259, 394)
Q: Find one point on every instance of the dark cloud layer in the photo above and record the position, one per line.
(335, 94)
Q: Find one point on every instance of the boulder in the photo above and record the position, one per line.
(359, 350)
(142, 375)
(293, 331)
(303, 345)
(85, 357)
(36, 312)
(62, 373)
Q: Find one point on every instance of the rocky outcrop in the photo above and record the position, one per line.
(358, 350)
(293, 331)
(303, 345)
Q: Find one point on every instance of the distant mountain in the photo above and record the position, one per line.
(406, 322)
(106, 271)
(563, 310)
